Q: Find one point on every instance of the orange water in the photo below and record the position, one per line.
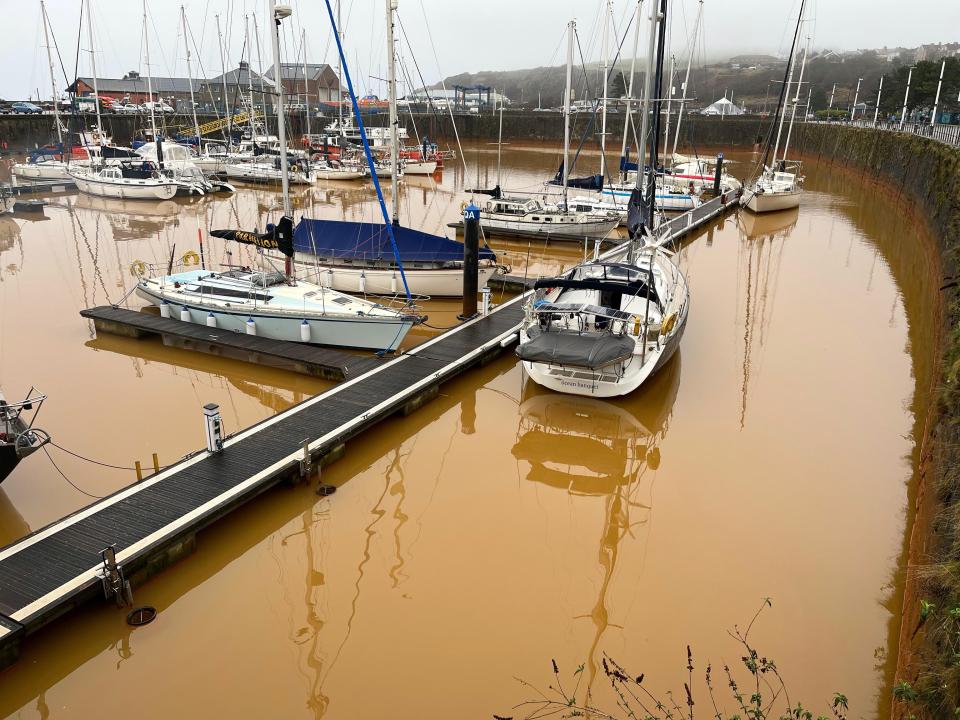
(500, 526)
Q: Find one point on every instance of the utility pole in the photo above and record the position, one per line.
(906, 95)
(936, 102)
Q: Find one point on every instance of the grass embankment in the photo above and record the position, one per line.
(928, 664)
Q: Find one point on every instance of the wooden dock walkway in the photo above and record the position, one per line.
(298, 357)
(154, 522)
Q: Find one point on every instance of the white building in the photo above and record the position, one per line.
(723, 107)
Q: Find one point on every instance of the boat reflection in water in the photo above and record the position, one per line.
(607, 449)
(762, 239)
(132, 220)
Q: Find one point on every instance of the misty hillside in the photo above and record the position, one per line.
(752, 81)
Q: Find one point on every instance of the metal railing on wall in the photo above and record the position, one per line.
(947, 134)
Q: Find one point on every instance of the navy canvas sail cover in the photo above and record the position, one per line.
(370, 241)
(592, 182)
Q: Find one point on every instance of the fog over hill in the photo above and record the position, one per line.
(750, 79)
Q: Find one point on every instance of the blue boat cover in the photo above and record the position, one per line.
(370, 241)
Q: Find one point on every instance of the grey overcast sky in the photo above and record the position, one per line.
(446, 36)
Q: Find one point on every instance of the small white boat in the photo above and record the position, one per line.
(774, 190)
(419, 167)
(332, 170)
(383, 170)
(43, 167)
(602, 329)
(530, 216)
(267, 172)
(269, 305)
(114, 181)
(670, 196)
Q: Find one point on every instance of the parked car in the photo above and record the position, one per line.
(129, 109)
(157, 107)
(26, 108)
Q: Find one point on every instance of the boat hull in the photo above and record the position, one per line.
(41, 171)
(440, 282)
(132, 190)
(670, 202)
(334, 174)
(252, 173)
(8, 460)
(419, 167)
(561, 231)
(604, 382)
(368, 333)
(773, 201)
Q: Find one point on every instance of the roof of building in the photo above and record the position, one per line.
(134, 83)
(241, 75)
(294, 71)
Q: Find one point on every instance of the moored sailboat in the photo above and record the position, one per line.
(370, 257)
(274, 304)
(780, 184)
(603, 328)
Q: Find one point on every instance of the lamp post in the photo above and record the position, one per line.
(903, 113)
(876, 111)
(856, 96)
(933, 115)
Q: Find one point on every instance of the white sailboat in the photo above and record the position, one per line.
(604, 327)
(526, 216)
(274, 304)
(43, 166)
(132, 180)
(366, 257)
(780, 184)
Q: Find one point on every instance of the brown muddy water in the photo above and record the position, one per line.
(500, 526)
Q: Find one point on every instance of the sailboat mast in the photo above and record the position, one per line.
(193, 105)
(789, 80)
(246, 41)
(666, 130)
(394, 121)
(53, 79)
(499, 140)
(223, 75)
(647, 90)
(153, 119)
(339, 32)
(571, 29)
(306, 86)
(276, 16)
(628, 120)
(686, 79)
(796, 99)
(656, 104)
(607, 19)
(93, 69)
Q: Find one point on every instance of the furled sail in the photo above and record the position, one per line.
(277, 237)
(592, 182)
